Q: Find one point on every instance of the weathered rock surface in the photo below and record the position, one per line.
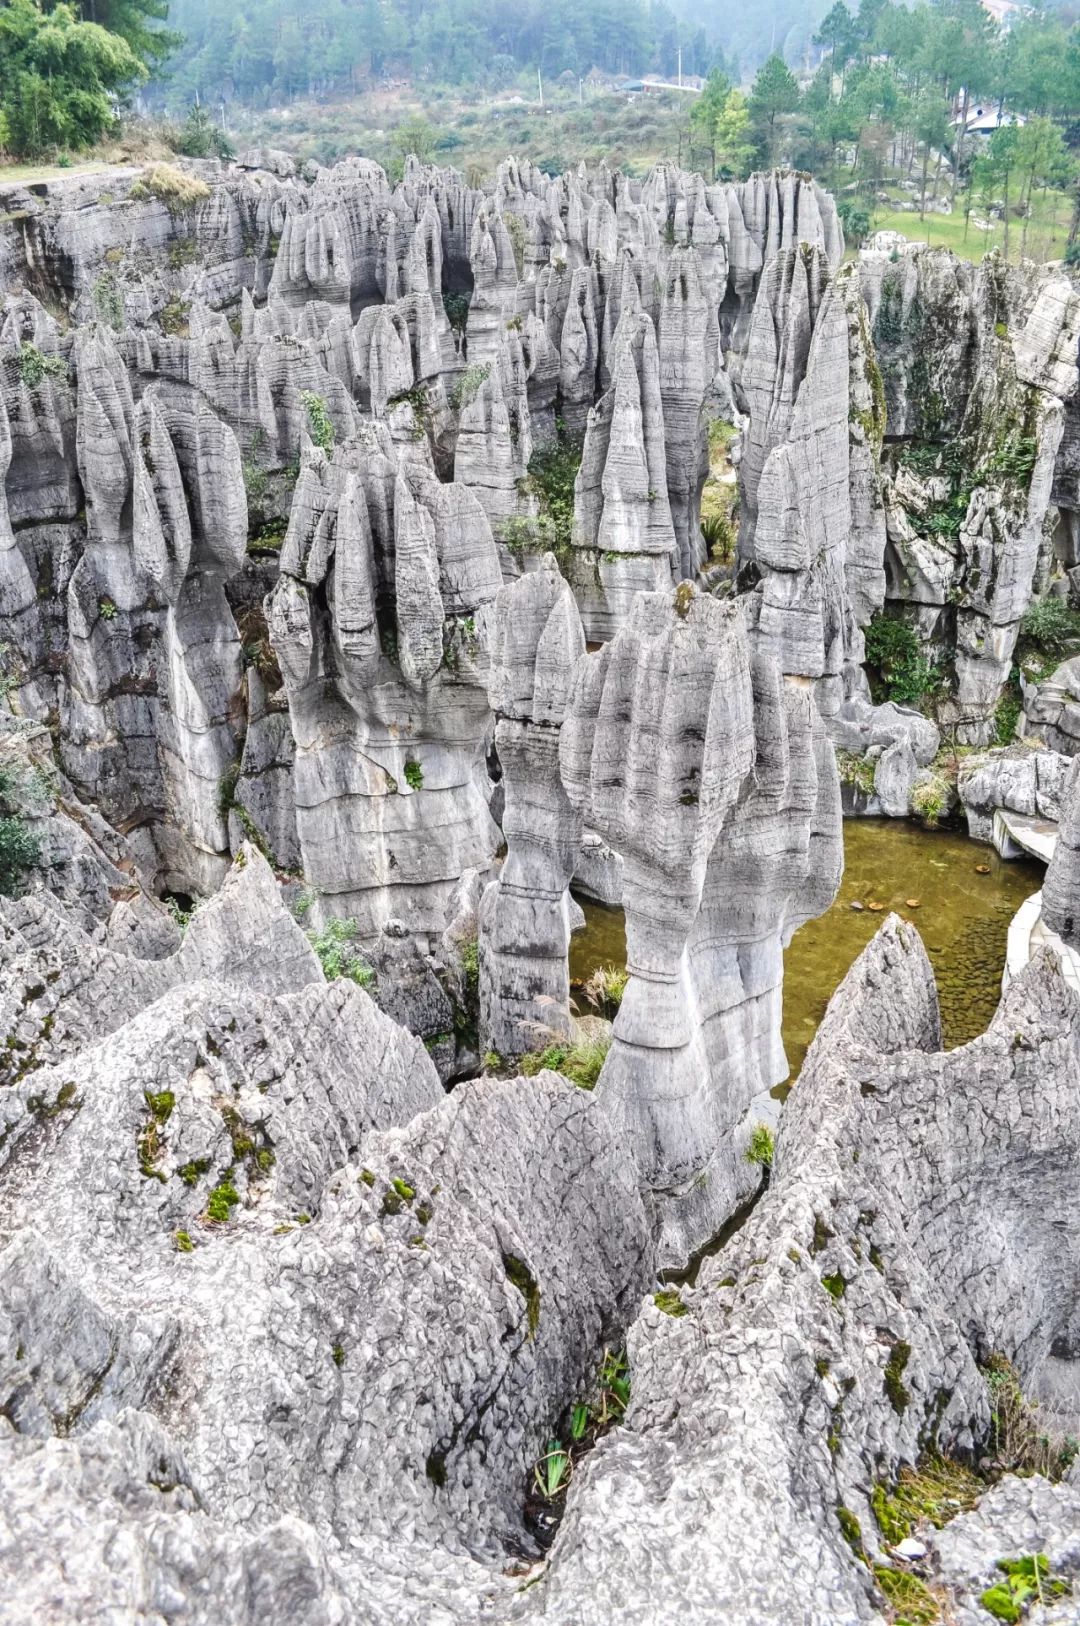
(836, 1336)
(712, 777)
(535, 642)
(1061, 889)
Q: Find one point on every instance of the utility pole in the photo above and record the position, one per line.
(680, 67)
(540, 84)
(581, 92)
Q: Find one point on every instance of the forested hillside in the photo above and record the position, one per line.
(261, 50)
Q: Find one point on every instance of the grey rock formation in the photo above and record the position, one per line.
(983, 357)
(534, 643)
(1052, 707)
(273, 1201)
(624, 538)
(712, 778)
(884, 1212)
(1061, 889)
(1020, 779)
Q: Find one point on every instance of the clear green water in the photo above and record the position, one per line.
(963, 918)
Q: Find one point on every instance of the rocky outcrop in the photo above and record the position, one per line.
(535, 641)
(1052, 707)
(976, 365)
(624, 538)
(1020, 779)
(884, 1212)
(712, 778)
(274, 1200)
(1061, 889)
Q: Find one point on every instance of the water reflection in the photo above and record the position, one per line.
(933, 880)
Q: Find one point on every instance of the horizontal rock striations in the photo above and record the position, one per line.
(711, 776)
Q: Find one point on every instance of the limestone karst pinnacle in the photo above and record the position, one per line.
(353, 589)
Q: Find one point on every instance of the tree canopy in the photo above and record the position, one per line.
(59, 77)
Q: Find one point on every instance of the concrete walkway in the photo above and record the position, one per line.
(1027, 935)
(1016, 833)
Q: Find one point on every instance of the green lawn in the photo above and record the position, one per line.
(1046, 237)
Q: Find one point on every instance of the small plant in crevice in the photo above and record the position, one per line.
(414, 775)
(762, 1147)
(905, 675)
(1028, 1580)
(107, 609)
(35, 365)
(320, 424)
(604, 988)
(1020, 1441)
(584, 1424)
(337, 952)
(518, 1272)
(221, 1202)
(552, 1472)
(150, 1144)
(909, 1597)
(580, 1062)
(935, 1490)
(20, 850)
(897, 1391)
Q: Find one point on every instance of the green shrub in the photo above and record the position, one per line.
(19, 851)
(552, 472)
(718, 534)
(855, 221)
(762, 1147)
(108, 302)
(335, 947)
(930, 797)
(456, 307)
(581, 1062)
(199, 137)
(414, 775)
(907, 677)
(34, 366)
(1007, 712)
(320, 426)
(1051, 627)
(857, 770)
(466, 387)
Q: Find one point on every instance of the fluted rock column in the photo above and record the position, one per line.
(534, 643)
(1061, 889)
(657, 743)
(623, 537)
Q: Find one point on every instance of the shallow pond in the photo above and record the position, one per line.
(962, 915)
